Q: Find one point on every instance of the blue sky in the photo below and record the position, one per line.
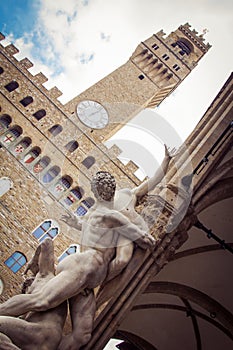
(75, 43)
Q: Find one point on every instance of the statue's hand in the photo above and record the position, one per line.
(71, 220)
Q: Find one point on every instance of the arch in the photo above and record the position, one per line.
(46, 229)
(13, 85)
(71, 146)
(88, 162)
(55, 129)
(26, 101)
(185, 45)
(74, 195)
(88, 202)
(5, 120)
(63, 184)
(74, 248)
(12, 134)
(81, 211)
(5, 185)
(39, 114)
(22, 145)
(32, 155)
(41, 165)
(51, 174)
(16, 261)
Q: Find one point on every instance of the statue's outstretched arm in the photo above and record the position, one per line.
(72, 221)
(150, 184)
(129, 230)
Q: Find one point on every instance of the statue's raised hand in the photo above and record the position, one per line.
(146, 241)
(71, 220)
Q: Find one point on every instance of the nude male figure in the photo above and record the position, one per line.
(88, 269)
(38, 330)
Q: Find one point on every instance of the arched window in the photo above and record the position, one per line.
(80, 211)
(51, 174)
(12, 86)
(88, 202)
(88, 162)
(63, 184)
(41, 165)
(12, 134)
(5, 185)
(71, 146)
(55, 129)
(5, 121)
(185, 45)
(16, 261)
(74, 248)
(39, 114)
(74, 195)
(26, 101)
(22, 145)
(46, 229)
(1, 70)
(32, 155)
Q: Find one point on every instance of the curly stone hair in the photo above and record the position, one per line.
(103, 185)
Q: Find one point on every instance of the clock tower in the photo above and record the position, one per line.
(155, 69)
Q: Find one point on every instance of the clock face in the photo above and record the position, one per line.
(92, 114)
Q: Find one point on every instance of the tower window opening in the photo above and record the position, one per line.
(39, 114)
(141, 77)
(155, 46)
(88, 162)
(176, 67)
(165, 57)
(55, 129)
(185, 46)
(1, 70)
(26, 101)
(71, 146)
(13, 85)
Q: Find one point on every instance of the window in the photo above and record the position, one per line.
(5, 185)
(12, 135)
(24, 143)
(81, 211)
(185, 45)
(141, 77)
(88, 162)
(63, 184)
(74, 195)
(155, 46)
(16, 261)
(71, 146)
(46, 229)
(32, 155)
(26, 101)
(88, 202)
(5, 121)
(176, 67)
(55, 130)
(165, 57)
(1, 70)
(51, 174)
(40, 114)
(41, 165)
(12, 86)
(74, 248)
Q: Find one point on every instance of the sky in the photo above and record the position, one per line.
(75, 43)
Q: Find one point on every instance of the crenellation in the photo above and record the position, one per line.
(11, 49)
(39, 78)
(26, 63)
(54, 92)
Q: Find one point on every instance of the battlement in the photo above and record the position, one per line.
(23, 65)
(193, 35)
